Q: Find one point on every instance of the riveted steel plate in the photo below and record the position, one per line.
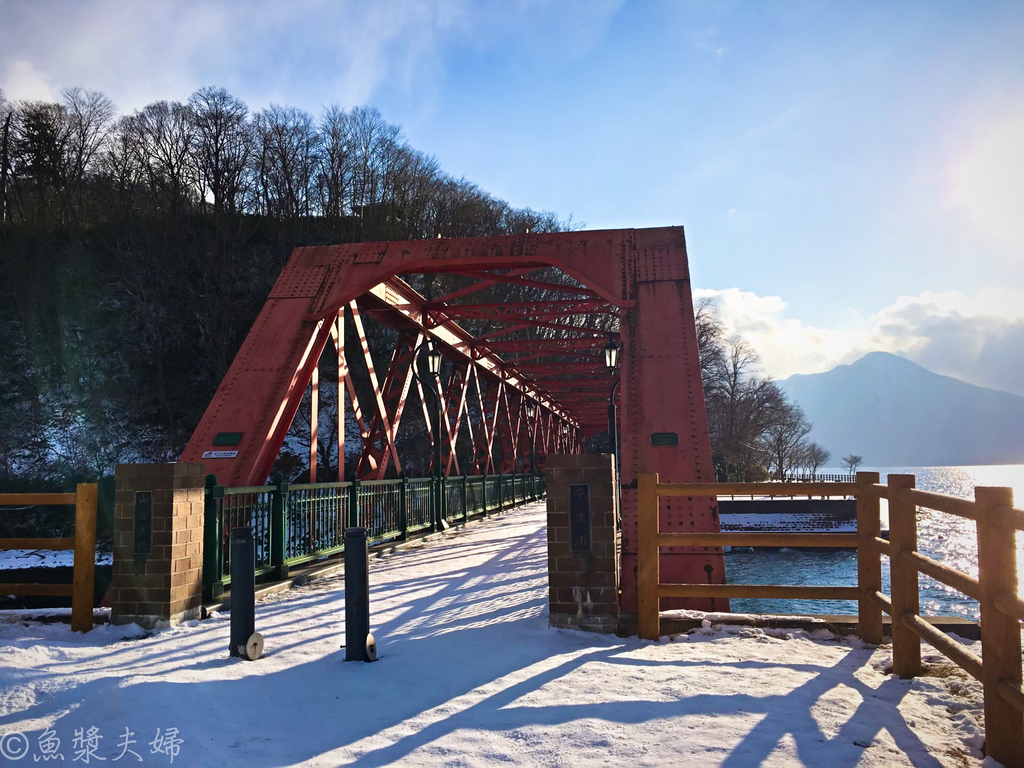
(661, 256)
(298, 283)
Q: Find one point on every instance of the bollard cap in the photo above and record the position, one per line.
(355, 533)
(253, 648)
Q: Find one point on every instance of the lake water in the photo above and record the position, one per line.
(946, 538)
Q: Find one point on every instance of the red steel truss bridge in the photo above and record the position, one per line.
(531, 380)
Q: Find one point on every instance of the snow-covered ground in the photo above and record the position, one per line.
(469, 674)
(12, 559)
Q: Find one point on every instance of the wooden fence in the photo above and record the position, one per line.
(995, 588)
(84, 546)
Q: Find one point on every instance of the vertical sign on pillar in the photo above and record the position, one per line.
(580, 538)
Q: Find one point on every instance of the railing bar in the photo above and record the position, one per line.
(49, 544)
(940, 502)
(1008, 517)
(943, 573)
(733, 538)
(36, 499)
(38, 590)
(759, 591)
(882, 600)
(876, 489)
(950, 648)
(299, 559)
(246, 490)
(882, 544)
(757, 489)
(1009, 604)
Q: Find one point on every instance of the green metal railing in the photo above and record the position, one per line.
(296, 524)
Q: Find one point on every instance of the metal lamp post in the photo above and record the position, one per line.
(531, 411)
(434, 386)
(611, 361)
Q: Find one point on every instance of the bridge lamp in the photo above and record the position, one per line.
(531, 411)
(611, 355)
(434, 369)
(611, 361)
(433, 359)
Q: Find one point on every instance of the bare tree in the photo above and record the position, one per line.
(166, 135)
(413, 188)
(123, 166)
(814, 457)
(374, 144)
(710, 334)
(223, 141)
(90, 118)
(783, 440)
(754, 429)
(288, 146)
(6, 119)
(851, 462)
(335, 166)
(76, 397)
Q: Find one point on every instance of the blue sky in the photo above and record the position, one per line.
(850, 175)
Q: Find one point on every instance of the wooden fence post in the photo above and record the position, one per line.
(869, 560)
(84, 566)
(906, 645)
(648, 622)
(1000, 633)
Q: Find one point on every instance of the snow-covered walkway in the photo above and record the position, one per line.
(469, 674)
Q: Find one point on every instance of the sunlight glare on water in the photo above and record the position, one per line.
(949, 539)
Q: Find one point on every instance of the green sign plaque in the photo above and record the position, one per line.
(664, 438)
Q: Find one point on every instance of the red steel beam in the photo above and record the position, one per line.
(528, 310)
(643, 273)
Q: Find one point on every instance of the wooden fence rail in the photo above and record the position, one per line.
(1002, 609)
(84, 546)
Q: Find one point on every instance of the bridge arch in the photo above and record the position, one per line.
(640, 275)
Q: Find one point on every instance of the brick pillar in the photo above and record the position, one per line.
(583, 575)
(158, 544)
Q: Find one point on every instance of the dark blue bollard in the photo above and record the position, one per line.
(245, 641)
(359, 643)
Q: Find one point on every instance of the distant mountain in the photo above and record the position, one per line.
(895, 413)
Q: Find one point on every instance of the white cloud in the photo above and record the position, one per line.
(977, 338)
(305, 52)
(21, 80)
(142, 52)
